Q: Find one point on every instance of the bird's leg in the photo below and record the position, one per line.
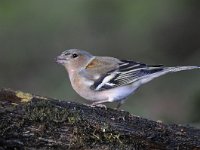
(120, 104)
(99, 104)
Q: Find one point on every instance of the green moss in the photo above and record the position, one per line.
(45, 111)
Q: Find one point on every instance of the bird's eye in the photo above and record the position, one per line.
(74, 55)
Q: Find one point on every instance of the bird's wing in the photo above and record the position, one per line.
(126, 73)
(98, 67)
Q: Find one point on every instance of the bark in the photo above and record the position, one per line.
(33, 122)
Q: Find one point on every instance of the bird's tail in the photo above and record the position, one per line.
(180, 68)
(164, 71)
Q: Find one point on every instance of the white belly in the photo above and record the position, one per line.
(119, 93)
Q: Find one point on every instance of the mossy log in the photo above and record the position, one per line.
(32, 122)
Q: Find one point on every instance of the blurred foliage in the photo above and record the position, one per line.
(195, 111)
(34, 32)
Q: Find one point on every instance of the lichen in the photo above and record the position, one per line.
(25, 97)
(41, 97)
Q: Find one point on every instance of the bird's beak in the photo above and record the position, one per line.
(61, 59)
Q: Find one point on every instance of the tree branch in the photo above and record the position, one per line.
(30, 121)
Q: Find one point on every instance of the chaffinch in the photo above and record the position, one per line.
(107, 79)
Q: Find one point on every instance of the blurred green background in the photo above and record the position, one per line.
(34, 32)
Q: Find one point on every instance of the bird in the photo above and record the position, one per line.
(101, 79)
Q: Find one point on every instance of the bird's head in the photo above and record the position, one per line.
(74, 59)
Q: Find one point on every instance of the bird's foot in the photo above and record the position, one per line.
(98, 105)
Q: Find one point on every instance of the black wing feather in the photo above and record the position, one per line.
(127, 73)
